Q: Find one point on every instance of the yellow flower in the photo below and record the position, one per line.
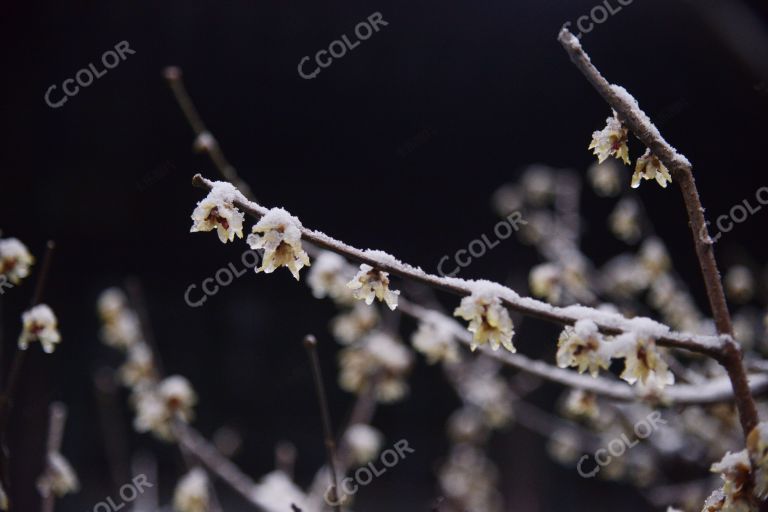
(370, 284)
(642, 362)
(191, 493)
(757, 445)
(156, 408)
(281, 241)
(377, 359)
(649, 167)
(40, 324)
(15, 260)
(580, 346)
(217, 211)
(735, 470)
(489, 321)
(611, 141)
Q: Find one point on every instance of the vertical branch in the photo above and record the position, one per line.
(57, 421)
(642, 127)
(310, 343)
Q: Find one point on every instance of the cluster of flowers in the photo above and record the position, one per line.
(158, 402)
(583, 347)
(278, 234)
(612, 141)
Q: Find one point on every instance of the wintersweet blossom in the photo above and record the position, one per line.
(490, 394)
(757, 445)
(217, 211)
(279, 234)
(328, 277)
(624, 220)
(15, 260)
(40, 324)
(364, 442)
(379, 360)
(370, 284)
(59, 477)
(156, 408)
(138, 370)
(352, 325)
(436, 342)
(644, 363)
(649, 167)
(544, 282)
(581, 404)
(611, 141)
(581, 346)
(735, 470)
(489, 321)
(604, 178)
(191, 493)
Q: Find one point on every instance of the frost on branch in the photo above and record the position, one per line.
(377, 360)
(157, 408)
(611, 141)
(217, 211)
(370, 284)
(489, 321)
(649, 167)
(281, 240)
(15, 260)
(581, 346)
(40, 324)
(191, 493)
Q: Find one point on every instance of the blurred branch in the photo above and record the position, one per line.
(57, 421)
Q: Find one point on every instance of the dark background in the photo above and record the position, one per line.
(398, 146)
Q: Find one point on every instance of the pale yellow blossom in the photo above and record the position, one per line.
(611, 141)
(40, 324)
(649, 167)
(370, 284)
(280, 237)
(489, 321)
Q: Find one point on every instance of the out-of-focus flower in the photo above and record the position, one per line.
(581, 346)
(15, 260)
(3, 498)
(564, 446)
(139, 370)
(654, 257)
(624, 221)
(328, 277)
(611, 141)
(735, 470)
(121, 328)
(544, 281)
(111, 303)
(40, 324)
(649, 167)
(281, 240)
(469, 479)
(489, 393)
(191, 493)
(59, 477)
(467, 425)
(354, 324)
(157, 408)
(605, 178)
(644, 363)
(436, 342)
(538, 182)
(739, 284)
(364, 442)
(377, 360)
(217, 211)
(489, 321)
(370, 284)
(581, 404)
(757, 446)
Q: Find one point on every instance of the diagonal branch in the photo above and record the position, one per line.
(641, 126)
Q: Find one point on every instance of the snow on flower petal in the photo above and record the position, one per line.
(217, 211)
(39, 324)
(278, 233)
(649, 167)
(735, 470)
(757, 445)
(611, 141)
(370, 284)
(15, 260)
(489, 321)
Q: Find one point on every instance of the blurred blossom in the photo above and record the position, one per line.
(605, 178)
(364, 443)
(355, 323)
(379, 360)
(624, 221)
(739, 284)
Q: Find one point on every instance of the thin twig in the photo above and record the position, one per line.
(205, 140)
(57, 421)
(310, 343)
(730, 355)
